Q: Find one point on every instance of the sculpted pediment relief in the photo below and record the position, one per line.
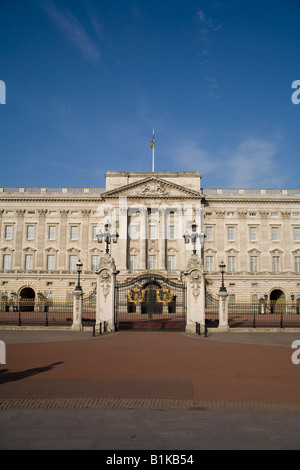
(152, 188)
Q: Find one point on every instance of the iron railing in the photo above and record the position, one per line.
(36, 313)
(256, 315)
(89, 309)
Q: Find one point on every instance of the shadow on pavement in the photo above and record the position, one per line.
(6, 376)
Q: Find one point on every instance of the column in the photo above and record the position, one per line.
(123, 237)
(162, 240)
(143, 238)
(62, 263)
(85, 239)
(19, 239)
(41, 239)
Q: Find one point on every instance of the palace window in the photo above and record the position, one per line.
(275, 234)
(252, 234)
(297, 264)
(171, 262)
(30, 232)
(171, 232)
(231, 264)
(52, 232)
(6, 261)
(8, 232)
(276, 264)
(152, 232)
(50, 262)
(209, 233)
(72, 262)
(152, 262)
(253, 264)
(209, 263)
(28, 261)
(133, 262)
(96, 230)
(296, 234)
(74, 232)
(230, 233)
(95, 262)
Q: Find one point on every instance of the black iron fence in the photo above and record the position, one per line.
(89, 311)
(255, 315)
(31, 313)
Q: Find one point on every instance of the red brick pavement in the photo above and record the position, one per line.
(151, 365)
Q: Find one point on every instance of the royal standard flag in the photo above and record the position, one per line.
(152, 143)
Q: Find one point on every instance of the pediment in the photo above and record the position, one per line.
(153, 188)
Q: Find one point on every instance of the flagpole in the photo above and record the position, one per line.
(153, 160)
(152, 146)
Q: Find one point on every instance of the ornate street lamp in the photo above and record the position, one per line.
(222, 267)
(193, 237)
(107, 237)
(266, 302)
(79, 269)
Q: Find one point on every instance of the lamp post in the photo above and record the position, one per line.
(222, 267)
(193, 237)
(266, 301)
(107, 236)
(79, 269)
(292, 299)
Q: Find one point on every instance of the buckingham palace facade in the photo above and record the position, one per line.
(255, 232)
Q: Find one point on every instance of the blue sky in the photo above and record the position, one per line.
(87, 80)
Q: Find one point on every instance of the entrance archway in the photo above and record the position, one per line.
(27, 297)
(277, 299)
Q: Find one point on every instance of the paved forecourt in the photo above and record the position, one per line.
(229, 367)
(149, 391)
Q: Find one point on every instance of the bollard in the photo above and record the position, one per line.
(281, 321)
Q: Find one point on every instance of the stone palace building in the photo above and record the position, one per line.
(255, 232)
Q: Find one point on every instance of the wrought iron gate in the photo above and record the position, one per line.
(150, 302)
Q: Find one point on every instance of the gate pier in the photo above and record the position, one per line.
(195, 285)
(106, 281)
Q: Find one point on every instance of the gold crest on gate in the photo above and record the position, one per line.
(164, 295)
(136, 295)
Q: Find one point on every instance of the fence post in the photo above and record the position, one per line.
(77, 310)
(223, 312)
